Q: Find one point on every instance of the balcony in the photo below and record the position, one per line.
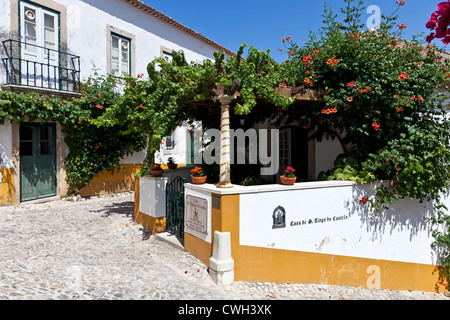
(34, 68)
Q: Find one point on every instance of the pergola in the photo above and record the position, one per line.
(225, 97)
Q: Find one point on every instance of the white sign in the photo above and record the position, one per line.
(196, 213)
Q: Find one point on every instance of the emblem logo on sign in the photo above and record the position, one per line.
(279, 218)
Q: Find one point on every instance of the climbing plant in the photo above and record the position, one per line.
(388, 107)
(156, 105)
(92, 149)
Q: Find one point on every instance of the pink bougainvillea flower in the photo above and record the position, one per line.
(439, 22)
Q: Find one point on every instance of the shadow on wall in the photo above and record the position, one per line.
(404, 215)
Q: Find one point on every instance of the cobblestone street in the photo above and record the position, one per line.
(91, 249)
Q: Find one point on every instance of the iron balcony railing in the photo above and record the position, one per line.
(40, 67)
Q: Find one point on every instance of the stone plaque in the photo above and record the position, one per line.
(197, 213)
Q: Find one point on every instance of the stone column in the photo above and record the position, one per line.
(225, 142)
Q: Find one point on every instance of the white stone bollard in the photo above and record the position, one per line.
(221, 265)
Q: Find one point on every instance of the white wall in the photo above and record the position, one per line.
(5, 13)
(87, 34)
(6, 151)
(331, 220)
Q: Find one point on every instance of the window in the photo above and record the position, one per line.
(167, 56)
(120, 55)
(170, 141)
(39, 29)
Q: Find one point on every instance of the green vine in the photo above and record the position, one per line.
(92, 149)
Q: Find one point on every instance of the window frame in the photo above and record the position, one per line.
(121, 40)
(113, 31)
(40, 12)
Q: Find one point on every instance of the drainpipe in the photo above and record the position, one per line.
(225, 141)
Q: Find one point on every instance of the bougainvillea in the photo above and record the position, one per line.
(439, 23)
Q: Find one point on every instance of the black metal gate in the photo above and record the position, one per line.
(175, 206)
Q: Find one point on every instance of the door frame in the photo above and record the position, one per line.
(61, 154)
(36, 146)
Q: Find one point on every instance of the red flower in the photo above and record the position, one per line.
(96, 146)
(401, 26)
(351, 84)
(350, 99)
(99, 95)
(403, 76)
(307, 59)
(99, 106)
(333, 62)
(363, 200)
(329, 110)
(308, 81)
(401, 3)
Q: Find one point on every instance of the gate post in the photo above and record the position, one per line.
(221, 265)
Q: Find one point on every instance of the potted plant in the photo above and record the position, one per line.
(288, 178)
(198, 176)
(171, 163)
(156, 170)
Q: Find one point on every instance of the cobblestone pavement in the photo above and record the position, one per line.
(91, 249)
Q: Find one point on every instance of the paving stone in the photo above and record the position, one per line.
(91, 249)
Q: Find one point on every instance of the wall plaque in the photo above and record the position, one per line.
(197, 213)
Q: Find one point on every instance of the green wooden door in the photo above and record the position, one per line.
(37, 161)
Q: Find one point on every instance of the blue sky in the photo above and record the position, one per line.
(262, 23)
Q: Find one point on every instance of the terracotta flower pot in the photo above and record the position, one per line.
(157, 173)
(198, 180)
(172, 165)
(288, 180)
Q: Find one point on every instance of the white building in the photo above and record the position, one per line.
(120, 36)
